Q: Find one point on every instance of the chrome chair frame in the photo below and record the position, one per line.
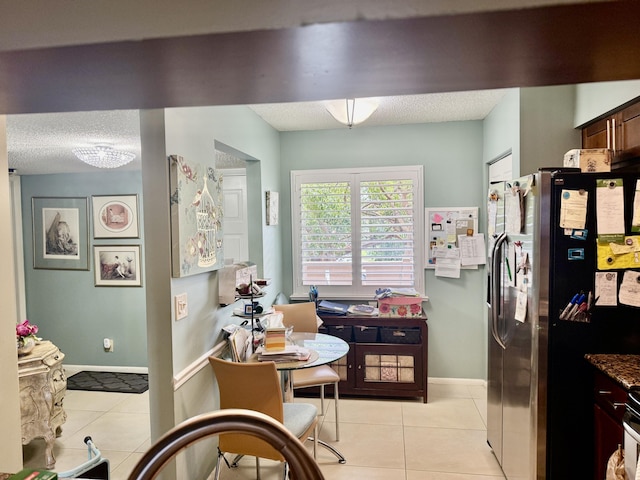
(301, 463)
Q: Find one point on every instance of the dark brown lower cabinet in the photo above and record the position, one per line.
(608, 410)
(387, 356)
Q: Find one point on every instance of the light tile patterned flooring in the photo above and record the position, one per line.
(444, 439)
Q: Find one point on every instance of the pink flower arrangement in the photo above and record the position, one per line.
(26, 329)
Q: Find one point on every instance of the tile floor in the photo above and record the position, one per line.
(444, 439)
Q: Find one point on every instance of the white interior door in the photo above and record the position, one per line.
(501, 170)
(236, 228)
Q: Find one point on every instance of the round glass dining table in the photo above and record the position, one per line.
(323, 349)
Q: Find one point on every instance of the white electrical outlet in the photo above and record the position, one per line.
(181, 306)
(107, 343)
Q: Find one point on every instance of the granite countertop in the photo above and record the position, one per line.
(624, 369)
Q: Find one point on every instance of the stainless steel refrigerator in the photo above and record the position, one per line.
(540, 400)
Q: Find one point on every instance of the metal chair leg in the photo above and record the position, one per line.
(315, 442)
(322, 411)
(335, 399)
(216, 473)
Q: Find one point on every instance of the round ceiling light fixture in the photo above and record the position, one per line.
(346, 112)
(103, 156)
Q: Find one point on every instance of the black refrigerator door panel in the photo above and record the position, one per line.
(570, 392)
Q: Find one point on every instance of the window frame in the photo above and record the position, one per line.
(355, 176)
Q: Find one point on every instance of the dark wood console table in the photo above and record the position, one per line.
(387, 356)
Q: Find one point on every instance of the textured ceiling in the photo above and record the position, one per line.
(43, 143)
(439, 107)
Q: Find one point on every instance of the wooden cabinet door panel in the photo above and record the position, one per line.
(596, 134)
(387, 367)
(608, 434)
(630, 131)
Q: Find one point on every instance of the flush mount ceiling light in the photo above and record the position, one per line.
(103, 156)
(349, 112)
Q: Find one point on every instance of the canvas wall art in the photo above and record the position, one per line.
(196, 216)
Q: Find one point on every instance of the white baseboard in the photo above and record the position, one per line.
(458, 381)
(71, 369)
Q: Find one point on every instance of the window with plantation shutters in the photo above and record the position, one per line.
(357, 230)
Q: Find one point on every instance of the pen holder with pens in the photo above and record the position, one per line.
(579, 308)
(313, 295)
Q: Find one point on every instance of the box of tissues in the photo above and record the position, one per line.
(274, 338)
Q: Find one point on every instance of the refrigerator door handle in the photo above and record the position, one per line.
(496, 260)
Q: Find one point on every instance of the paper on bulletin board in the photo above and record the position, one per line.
(473, 250)
(616, 256)
(444, 225)
(448, 262)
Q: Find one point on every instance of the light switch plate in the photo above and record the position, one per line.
(181, 306)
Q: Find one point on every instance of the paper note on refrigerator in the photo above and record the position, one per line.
(635, 222)
(513, 211)
(606, 289)
(573, 209)
(618, 256)
(630, 289)
(610, 210)
(521, 306)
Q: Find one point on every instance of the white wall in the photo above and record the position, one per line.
(11, 451)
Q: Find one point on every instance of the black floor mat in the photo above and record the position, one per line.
(109, 382)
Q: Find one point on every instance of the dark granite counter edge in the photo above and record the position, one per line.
(621, 368)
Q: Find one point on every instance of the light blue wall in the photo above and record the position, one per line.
(595, 99)
(546, 127)
(67, 307)
(451, 154)
(501, 132)
(191, 133)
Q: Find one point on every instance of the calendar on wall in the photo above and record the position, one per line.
(444, 225)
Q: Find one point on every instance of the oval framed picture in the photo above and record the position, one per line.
(115, 216)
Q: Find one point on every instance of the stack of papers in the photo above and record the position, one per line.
(291, 353)
(326, 306)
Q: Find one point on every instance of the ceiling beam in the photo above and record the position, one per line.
(519, 48)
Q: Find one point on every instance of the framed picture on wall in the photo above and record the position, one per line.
(60, 233)
(273, 206)
(115, 216)
(117, 265)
